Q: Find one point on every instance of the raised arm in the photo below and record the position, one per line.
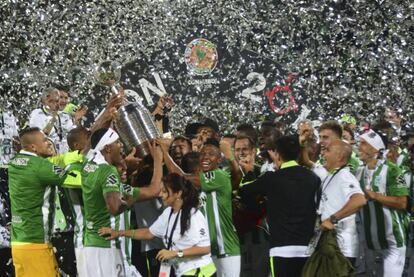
(236, 174)
(173, 167)
(153, 190)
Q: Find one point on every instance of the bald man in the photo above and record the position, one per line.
(32, 183)
(341, 199)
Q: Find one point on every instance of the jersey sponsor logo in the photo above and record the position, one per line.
(16, 219)
(111, 181)
(127, 189)
(401, 182)
(203, 199)
(89, 168)
(57, 170)
(209, 176)
(202, 232)
(20, 161)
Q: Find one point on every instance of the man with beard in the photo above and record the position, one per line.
(179, 147)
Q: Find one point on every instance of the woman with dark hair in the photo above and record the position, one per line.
(182, 227)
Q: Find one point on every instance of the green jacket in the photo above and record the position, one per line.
(327, 260)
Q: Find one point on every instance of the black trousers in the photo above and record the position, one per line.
(286, 267)
(6, 264)
(65, 252)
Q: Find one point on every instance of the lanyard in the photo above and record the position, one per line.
(169, 241)
(330, 180)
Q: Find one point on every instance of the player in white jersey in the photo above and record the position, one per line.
(384, 218)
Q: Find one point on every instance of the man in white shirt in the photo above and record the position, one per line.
(341, 198)
(50, 120)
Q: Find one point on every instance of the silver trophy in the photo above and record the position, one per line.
(134, 123)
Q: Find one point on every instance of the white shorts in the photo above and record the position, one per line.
(131, 271)
(228, 266)
(80, 261)
(394, 260)
(103, 262)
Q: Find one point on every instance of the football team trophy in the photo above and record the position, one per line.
(134, 123)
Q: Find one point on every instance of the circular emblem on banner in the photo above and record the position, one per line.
(201, 56)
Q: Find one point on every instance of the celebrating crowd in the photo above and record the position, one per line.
(266, 200)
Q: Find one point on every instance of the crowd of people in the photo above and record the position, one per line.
(268, 200)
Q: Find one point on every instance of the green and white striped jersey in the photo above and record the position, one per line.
(32, 186)
(97, 180)
(216, 199)
(383, 227)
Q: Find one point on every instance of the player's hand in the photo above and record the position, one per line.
(370, 195)
(133, 162)
(247, 163)
(156, 151)
(108, 233)
(164, 143)
(305, 133)
(225, 148)
(327, 225)
(165, 255)
(81, 112)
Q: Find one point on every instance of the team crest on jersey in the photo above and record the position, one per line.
(111, 181)
(209, 176)
(89, 168)
(20, 161)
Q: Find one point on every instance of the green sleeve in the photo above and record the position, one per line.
(215, 180)
(110, 180)
(396, 185)
(353, 164)
(135, 193)
(51, 174)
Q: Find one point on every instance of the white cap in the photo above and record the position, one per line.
(373, 139)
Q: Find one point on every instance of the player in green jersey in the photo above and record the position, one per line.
(216, 198)
(105, 201)
(32, 181)
(384, 218)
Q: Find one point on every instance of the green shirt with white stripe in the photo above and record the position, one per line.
(32, 181)
(383, 227)
(97, 180)
(217, 206)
